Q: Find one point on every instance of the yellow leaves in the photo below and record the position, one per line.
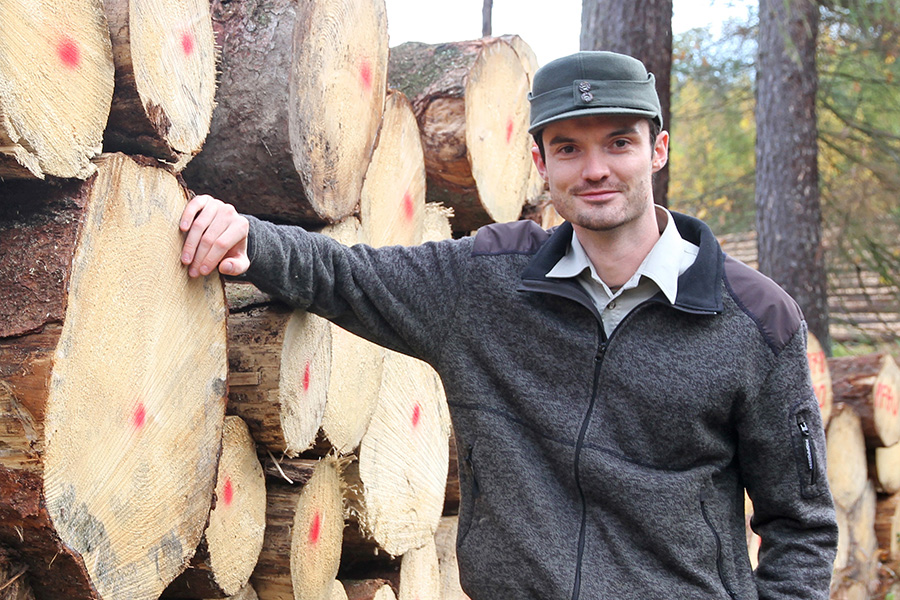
(890, 59)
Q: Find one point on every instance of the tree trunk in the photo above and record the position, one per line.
(113, 405)
(56, 68)
(165, 57)
(232, 541)
(486, 10)
(470, 100)
(871, 384)
(279, 368)
(789, 219)
(300, 100)
(642, 29)
(445, 541)
(885, 466)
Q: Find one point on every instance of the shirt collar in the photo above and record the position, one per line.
(667, 260)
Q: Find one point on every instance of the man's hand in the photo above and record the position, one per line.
(216, 236)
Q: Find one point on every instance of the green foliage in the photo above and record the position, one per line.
(713, 131)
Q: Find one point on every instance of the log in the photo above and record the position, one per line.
(300, 99)
(231, 544)
(338, 592)
(821, 377)
(356, 370)
(846, 456)
(246, 593)
(887, 529)
(279, 368)
(470, 100)
(451, 492)
(753, 540)
(870, 383)
(403, 458)
(445, 542)
(885, 468)
(112, 395)
(436, 224)
(14, 584)
(56, 85)
(165, 61)
(860, 551)
(369, 589)
(392, 204)
(304, 523)
(530, 63)
(420, 573)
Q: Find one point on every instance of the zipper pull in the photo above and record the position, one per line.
(810, 460)
(601, 350)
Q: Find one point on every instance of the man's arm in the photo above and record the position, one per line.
(400, 297)
(782, 455)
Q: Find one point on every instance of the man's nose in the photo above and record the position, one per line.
(596, 166)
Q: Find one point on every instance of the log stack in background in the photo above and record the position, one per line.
(120, 475)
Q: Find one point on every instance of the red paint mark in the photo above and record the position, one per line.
(187, 43)
(509, 130)
(306, 377)
(227, 492)
(315, 528)
(140, 416)
(409, 210)
(417, 414)
(68, 52)
(365, 73)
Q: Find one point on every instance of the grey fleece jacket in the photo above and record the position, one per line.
(595, 468)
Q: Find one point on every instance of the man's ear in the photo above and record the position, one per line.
(661, 151)
(539, 161)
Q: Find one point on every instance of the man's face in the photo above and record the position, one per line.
(599, 169)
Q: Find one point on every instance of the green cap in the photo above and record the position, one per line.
(592, 83)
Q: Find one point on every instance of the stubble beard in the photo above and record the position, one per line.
(602, 218)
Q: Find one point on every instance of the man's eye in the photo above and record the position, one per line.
(621, 144)
(566, 149)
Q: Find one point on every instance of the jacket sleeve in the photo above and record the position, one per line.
(782, 454)
(399, 297)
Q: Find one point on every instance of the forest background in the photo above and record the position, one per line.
(713, 129)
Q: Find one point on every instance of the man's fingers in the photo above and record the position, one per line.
(190, 211)
(224, 238)
(200, 223)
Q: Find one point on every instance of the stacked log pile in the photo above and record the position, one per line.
(120, 474)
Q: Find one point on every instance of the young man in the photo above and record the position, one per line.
(615, 384)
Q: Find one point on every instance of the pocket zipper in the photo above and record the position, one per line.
(807, 441)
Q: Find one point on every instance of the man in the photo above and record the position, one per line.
(615, 383)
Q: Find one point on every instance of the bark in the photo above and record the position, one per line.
(789, 219)
(470, 100)
(300, 99)
(369, 589)
(57, 85)
(111, 406)
(642, 29)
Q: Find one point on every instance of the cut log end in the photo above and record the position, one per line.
(57, 66)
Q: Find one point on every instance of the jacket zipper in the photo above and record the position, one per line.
(598, 361)
(807, 442)
(718, 548)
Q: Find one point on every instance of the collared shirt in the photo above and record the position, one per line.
(667, 260)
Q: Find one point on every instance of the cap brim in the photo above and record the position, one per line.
(586, 112)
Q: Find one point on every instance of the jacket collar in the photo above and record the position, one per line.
(699, 288)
